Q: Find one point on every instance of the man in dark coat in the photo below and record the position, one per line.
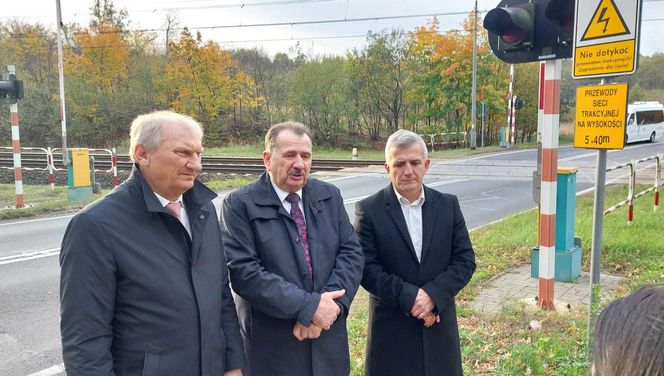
(294, 263)
(144, 284)
(418, 256)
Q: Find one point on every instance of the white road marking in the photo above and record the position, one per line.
(342, 178)
(36, 220)
(29, 255)
(445, 182)
(56, 369)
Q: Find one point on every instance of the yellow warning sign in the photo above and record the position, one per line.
(606, 38)
(606, 22)
(601, 111)
(604, 59)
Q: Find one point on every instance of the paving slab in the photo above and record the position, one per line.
(517, 285)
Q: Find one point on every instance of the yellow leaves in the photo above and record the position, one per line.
(203, 79)
(100, 58)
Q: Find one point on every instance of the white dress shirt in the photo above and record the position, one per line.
(412, 213)
(184, 218)
(287, 205)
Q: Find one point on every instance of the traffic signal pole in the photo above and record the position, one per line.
(550, 131)
(16, 146)
(523, 31)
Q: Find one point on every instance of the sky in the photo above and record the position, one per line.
(282, 24)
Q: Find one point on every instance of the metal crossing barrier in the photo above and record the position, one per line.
(49, 162)
(631, 194)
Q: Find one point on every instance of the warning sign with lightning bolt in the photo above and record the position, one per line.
(606, 22)
(606, 38)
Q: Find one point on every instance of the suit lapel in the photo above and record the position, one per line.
(429, 210)
(268, 197)
(197, 223)
(394, 209)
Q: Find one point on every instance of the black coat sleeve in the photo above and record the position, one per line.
(265, 290)
(87, 294)
(349, 262)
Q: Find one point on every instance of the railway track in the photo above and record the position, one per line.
(210, 164)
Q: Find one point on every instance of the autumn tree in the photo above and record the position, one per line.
(380, 77)
(201, 79)
(320, 98)
(32, 50)
(441, 66)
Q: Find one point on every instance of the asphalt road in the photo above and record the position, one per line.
(489, 187)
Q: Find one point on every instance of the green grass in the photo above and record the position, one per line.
(41, 200)
(232, 183)
(256, 150)
(502, 343)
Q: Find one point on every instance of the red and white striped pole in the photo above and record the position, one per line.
(513, 122)
(51, 170)
(114, 163)
(16, 147)
(550, 90)
(510, 105)
(658, 177)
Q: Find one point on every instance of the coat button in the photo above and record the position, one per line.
(297, 240)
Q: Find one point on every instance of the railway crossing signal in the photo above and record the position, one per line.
(11, 89)
(522, 31)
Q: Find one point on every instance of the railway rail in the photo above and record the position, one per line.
(211, 164)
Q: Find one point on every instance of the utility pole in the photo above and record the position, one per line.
(473, 132)
(61, 70)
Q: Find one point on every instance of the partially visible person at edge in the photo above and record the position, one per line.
(144, 285)
(418, 256)
(294, 263)
(629, 335)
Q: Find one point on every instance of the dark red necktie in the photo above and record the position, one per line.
(298, 217)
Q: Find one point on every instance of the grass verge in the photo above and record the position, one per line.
(41, 200)
(256, 150)
(502, 343)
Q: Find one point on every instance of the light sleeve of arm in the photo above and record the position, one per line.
(449, 282)
(349, 262)
(263, 289)
(390, 288)
(87, 298)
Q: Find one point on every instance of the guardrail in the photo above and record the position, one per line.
(432, 138)
(50, 163)
(631, 195)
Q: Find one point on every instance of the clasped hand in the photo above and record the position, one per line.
(423, 309)
(325, 315)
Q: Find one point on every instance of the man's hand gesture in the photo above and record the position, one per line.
(423, 305)
(327, 310)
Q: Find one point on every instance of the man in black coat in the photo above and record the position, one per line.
(294, 263)
(144, 284)
(418, 256)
